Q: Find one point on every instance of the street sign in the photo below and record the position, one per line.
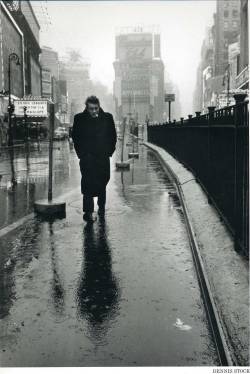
(222, 100)
(35, 108)
(169, 97)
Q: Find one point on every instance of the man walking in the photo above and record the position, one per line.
(94, 138)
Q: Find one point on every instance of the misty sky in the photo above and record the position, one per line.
(89, 26)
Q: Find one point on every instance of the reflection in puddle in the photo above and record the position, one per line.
(98, 292)
(57, 290)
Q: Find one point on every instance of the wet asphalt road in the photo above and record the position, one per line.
(121, 292)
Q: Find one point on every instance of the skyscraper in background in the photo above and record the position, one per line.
(220, 56)
(227, 28)
(139, 74)
(76, 73)
(242, 80)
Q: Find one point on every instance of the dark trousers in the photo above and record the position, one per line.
(88, 202)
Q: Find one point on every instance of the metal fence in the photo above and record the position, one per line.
(215, 147)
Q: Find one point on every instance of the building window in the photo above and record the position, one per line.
(225, 25)
(235, 24)
(235, 13)
(225, 13)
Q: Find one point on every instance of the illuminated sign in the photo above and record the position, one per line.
(222, 101)
(35, 108)
(135, 47)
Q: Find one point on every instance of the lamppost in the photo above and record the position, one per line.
(12, 57)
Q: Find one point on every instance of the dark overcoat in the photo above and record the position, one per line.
(94, 142)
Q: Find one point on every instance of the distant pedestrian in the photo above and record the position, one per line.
(94, 137)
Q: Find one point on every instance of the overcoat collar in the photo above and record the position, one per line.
(86, 113)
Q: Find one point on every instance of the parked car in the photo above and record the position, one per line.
(60, 133)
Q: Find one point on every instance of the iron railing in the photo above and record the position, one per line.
(214, 146)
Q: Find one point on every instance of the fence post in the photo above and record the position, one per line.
(238, 165)
(211, 110)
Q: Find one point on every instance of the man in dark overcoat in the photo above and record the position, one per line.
(94, 137)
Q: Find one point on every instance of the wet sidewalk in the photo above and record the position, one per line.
(24, 177)
(120, 292)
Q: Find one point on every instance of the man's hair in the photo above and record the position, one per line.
(92, 100)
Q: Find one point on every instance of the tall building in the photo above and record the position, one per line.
(53, 87)
(11, 41)
(227, 28)
(76, 74)
(208, 60)
(50, 67)
(26, 20)
(218, 57)
(242, 80)
(49, 60)
(203, 89)
(19, 34)
(139, 75)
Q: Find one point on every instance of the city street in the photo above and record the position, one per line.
(120, 292)
(158, 274)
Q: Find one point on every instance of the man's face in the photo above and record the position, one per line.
(93, 109)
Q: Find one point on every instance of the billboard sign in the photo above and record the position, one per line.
(222, 101)
(135, 47)
(35, 108)
(169, 97)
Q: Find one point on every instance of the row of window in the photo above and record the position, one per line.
(235, 13)
(234, 25)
